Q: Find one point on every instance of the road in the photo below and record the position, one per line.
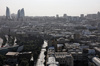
(41, 59)
(1, 41)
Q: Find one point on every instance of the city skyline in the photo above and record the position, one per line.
(51, 7)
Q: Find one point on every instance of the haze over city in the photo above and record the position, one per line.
(49, 33)
(51, 7)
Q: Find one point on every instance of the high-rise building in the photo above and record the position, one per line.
(57, 16)
(22, 14)
(82, 15)
(98, 14)
(98, 27)
(65, 16)
(8, 13)
(13, 15)
(18, 14)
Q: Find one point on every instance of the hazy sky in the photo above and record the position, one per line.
(51, 7)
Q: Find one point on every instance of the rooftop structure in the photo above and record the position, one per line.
(96, 61)
(12, 53)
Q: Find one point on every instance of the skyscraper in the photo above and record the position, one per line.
(22, 14)
(18, 14)
(8, 13)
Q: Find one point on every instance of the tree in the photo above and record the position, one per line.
(2, 60)
(24, 62)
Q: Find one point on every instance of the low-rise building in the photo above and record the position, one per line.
(64, 58)
(52, 62)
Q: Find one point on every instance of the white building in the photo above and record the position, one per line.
(52, 62)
